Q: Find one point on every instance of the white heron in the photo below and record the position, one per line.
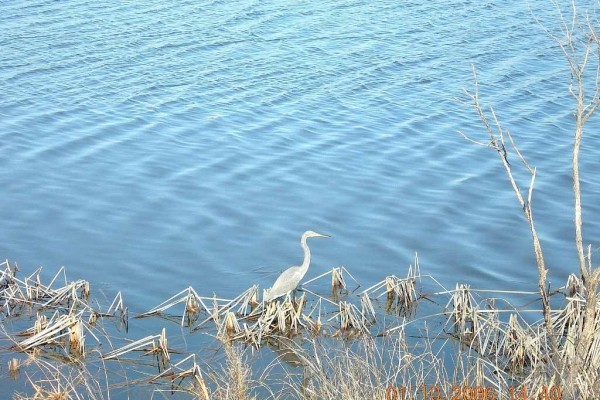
(289, 279)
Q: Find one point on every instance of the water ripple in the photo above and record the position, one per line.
(177, 142)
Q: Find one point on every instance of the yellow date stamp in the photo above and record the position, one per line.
(459, 392)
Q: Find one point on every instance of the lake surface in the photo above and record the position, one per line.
(150, 147)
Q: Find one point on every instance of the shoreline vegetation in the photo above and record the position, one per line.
(402, 338)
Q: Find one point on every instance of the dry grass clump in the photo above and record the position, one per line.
(465, 313)
(234, 383)
(229, 379)
(51, 381)
(401, 294)
(368, 368)
(62, 311)
(185, 376)
(581, 367)
(521, 346)
(342, 374)
(279, 318)
(59, 332)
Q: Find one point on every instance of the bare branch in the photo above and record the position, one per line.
(516, 149)
(496, 133)
(530, 194)
(461, 133)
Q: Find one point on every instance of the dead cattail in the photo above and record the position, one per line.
(283, 309)
(93, 318)
(76, 339)
(367, 309)
(192, 306)
(148, 344)
(390, 284)
(351, 320)
(401, 294)
(232, 325)
(464, 312)
(575, 286)
(163, 344)
(254, 300)
(40, 323)
(14, 367)
(514, 345)
(201, 387)
(337, 279)
(85, 291)
(314, 325)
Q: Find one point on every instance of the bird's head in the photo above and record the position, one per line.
(311, 234)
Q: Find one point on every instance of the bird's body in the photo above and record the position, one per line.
(289, 279)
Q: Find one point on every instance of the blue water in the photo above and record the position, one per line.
(150, 147)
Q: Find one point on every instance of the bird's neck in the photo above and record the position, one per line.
(306, 254)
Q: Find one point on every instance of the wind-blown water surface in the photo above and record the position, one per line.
(150, 147)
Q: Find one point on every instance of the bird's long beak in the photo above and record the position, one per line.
(322, 235)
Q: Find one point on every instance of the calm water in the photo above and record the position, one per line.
(152, 147)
